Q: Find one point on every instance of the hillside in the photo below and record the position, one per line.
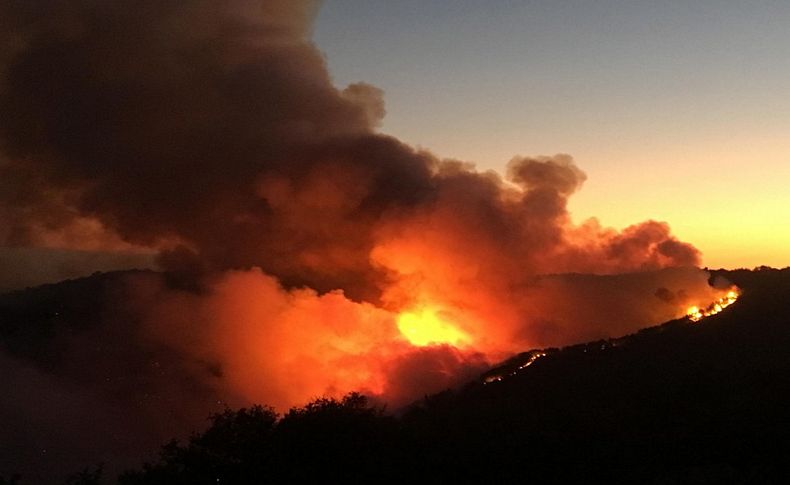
(681, 402)
(83, 385)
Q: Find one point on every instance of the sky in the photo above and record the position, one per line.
(677, 111)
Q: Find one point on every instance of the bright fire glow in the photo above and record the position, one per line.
(695, 313)
(427, 326)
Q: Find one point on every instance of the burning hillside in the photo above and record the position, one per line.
(695, 313)
(71, 367)
(518, 363)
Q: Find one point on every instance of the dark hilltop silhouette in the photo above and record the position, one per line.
(682, 402)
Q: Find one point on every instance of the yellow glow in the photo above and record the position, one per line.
(736, 213)
(425, 327)
(695, 313)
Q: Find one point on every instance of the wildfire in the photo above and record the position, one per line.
(695, 313)
(428, 326)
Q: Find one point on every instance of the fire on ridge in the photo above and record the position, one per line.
(695, 313)
(533, 356)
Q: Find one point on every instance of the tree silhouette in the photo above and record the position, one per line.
(235, 448)
(323, 442)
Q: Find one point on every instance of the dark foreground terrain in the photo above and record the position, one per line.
(677, 403)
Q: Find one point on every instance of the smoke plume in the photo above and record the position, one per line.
(320, 255)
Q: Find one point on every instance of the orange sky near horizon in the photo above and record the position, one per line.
(737, 215)
(676, 112)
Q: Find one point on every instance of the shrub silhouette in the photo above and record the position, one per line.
(236, 446)
(326, 441)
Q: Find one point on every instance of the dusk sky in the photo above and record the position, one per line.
(677, 111)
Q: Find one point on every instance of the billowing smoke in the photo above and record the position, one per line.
(211, 131)
(312, 254)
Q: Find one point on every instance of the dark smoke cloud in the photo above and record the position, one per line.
(208, 124)
(211, 131)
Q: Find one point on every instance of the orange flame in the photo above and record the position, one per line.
(429, 325)
(695, 313)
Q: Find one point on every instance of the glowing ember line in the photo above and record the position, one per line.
(695, 313)
(532, 358)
